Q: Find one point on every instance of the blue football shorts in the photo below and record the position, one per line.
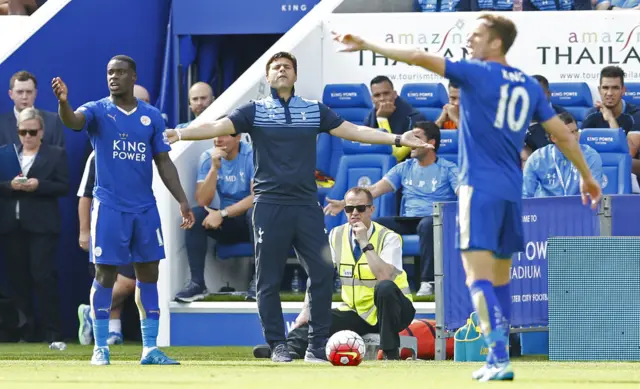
(486, 222)
(120, 238)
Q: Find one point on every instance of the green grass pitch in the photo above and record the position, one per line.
(35, 366)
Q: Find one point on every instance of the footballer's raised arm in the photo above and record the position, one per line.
(411, 56)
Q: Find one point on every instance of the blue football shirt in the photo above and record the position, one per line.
(423, 185)
(284, 144)
(234, 177)
(125, 144)
(497, 103)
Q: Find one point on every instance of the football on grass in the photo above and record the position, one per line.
(345, 348)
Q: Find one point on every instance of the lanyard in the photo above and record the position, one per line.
(565, 187)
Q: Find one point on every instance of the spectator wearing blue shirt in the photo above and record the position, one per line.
(424, 179)
(614, 112)
(549, 173)
(225, 170)
(200, 98)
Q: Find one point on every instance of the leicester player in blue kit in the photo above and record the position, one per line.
(497, 103)
(127, 134)
(284, 128)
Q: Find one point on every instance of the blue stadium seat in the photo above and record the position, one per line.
(633, 93)
(426, 98)
(613, 148)
(229, 251)
(575, 97)
(449, 145)
(410, 243)
(323, 153)
(362, 165)
(351, 101)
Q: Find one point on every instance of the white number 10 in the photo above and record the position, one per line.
(507, 105)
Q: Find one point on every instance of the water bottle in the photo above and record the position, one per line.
(295, 282)
(517, 5)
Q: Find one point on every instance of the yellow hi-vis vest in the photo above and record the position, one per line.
(358, 281)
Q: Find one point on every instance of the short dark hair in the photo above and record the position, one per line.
(283, 54)
(127, 59)
(612, 72)
(356, 190)
(431, 131)
(542, 80)
(22, 76)
(501, 27)
(380, 80)
(566, 118)
(453, 85)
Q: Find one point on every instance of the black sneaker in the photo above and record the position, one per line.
(316, 355)
(281, 354)
(391, 355)
(262, 351)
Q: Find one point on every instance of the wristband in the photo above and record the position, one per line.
(398, 138)
(179, 132)
(224, 213)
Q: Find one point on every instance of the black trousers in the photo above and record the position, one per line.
(30, 263)
(423, 226)
(395, 313)
(276, 229)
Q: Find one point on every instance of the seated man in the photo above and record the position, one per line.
(391, 112)
(548, 173)
(425, 179)
(228, 170)
(448, 119)
(375, 290)
(614, 112)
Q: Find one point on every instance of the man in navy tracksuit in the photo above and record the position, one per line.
(283, 128)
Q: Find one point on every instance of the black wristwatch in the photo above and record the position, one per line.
(367, 248)
(398, 138)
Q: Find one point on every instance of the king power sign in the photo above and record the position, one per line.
(562, 46)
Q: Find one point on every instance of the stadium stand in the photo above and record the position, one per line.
(426, 98)
(363, 165)
(613, 148)
(575, 97)
(633, 93)
(449, 145)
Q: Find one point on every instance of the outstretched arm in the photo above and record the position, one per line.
(411, 56)
(202, 131)
(362, 134)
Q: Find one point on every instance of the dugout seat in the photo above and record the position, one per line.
(353, 103)
(362, 165)
(426, 98)
(410, 243)
(613, 148)
(633, 93)
(575, 97)
(449, 145)
(228, 251)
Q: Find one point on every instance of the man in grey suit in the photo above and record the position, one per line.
(23, 89)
